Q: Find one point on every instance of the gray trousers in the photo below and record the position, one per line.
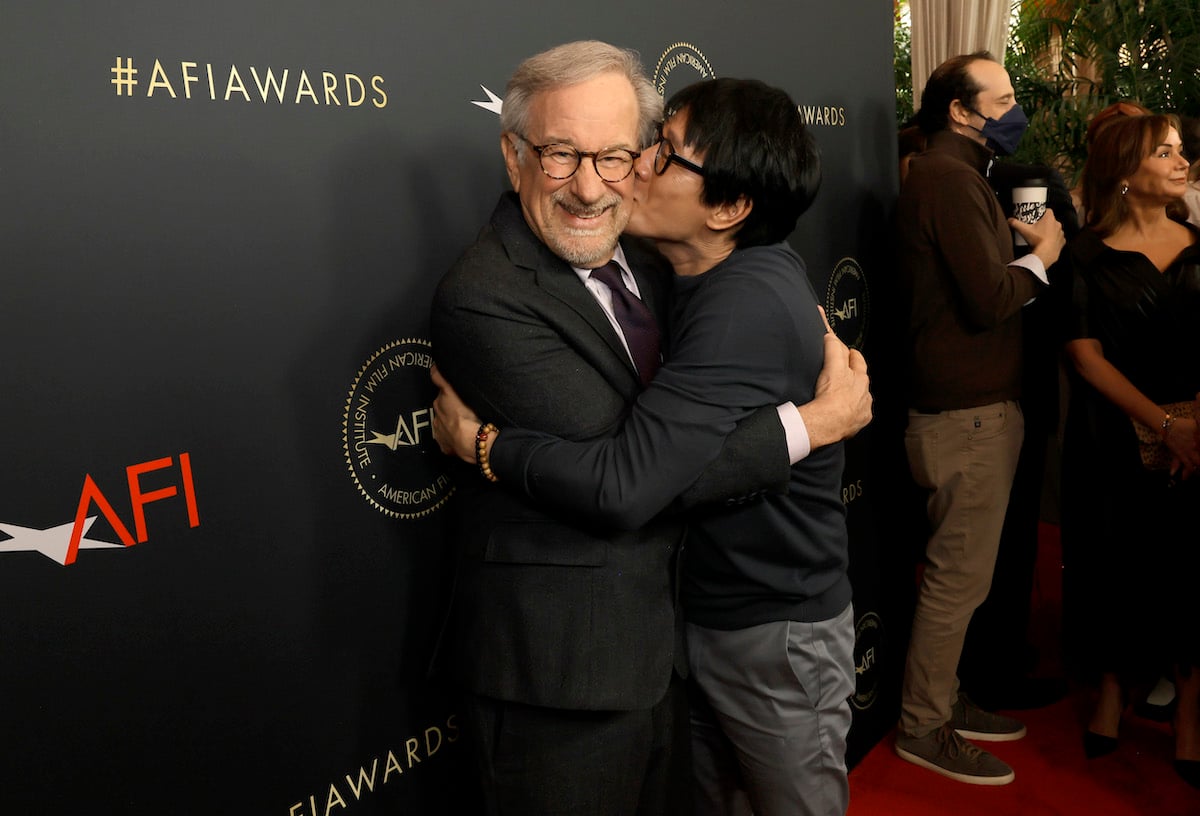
(770, 715)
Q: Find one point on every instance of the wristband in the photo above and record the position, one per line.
(481, 451)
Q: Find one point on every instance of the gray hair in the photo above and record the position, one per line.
(571, 64)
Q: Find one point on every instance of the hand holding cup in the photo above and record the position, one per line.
(1029, 205)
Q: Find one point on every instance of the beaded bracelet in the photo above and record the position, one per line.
(481, 451)
(1167, 422)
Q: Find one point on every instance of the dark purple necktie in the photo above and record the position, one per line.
(637, 323)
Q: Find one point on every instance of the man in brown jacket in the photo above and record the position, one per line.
(965, 427)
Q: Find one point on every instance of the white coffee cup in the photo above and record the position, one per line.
(1029, 205)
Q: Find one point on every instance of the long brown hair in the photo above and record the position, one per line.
(1116, 152)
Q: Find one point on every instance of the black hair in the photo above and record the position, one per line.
(755, 144)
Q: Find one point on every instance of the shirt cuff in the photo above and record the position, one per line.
(799, 445)
(1034, 264)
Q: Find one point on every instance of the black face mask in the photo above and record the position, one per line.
(1003, 134)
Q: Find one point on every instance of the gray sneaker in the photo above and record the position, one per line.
(972, 722)
(944, 751)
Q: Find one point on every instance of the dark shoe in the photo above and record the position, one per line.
(1159, 704)
(1097, 745)
(1189, 770)
(1021, 694)
(1155, 713)
(972, 722)
(945, 752)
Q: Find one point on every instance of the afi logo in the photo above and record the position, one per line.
(407, 435)
(91, 493)
(849, 309)
(63, 545)
(868, 661)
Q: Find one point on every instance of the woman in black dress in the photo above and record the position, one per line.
(1129, 533)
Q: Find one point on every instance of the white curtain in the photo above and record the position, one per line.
(945, 28)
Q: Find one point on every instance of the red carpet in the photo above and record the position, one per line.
(1053, 776)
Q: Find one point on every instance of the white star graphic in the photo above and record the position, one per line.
(493, 104)
(389, 441)
(51, 542)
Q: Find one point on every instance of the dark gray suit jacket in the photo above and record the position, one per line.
(546, 609)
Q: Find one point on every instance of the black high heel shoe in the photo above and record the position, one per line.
(1189, 771)
(1097, 745)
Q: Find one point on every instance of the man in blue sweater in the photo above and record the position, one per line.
(765, 590)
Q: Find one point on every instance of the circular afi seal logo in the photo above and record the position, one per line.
(387, 436)
(680, 55)
(848, 303)
(868, 638)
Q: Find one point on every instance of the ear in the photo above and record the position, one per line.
(729, 216)
(512, 162)
(959, 114)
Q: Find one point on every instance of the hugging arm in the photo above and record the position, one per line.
(682, 439)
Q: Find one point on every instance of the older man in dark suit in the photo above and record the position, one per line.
(566, 637)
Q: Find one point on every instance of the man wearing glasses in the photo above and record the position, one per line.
(562, 630)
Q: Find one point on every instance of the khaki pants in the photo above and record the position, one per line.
(966, 458)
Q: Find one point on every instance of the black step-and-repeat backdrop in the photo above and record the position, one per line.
(220, 508)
